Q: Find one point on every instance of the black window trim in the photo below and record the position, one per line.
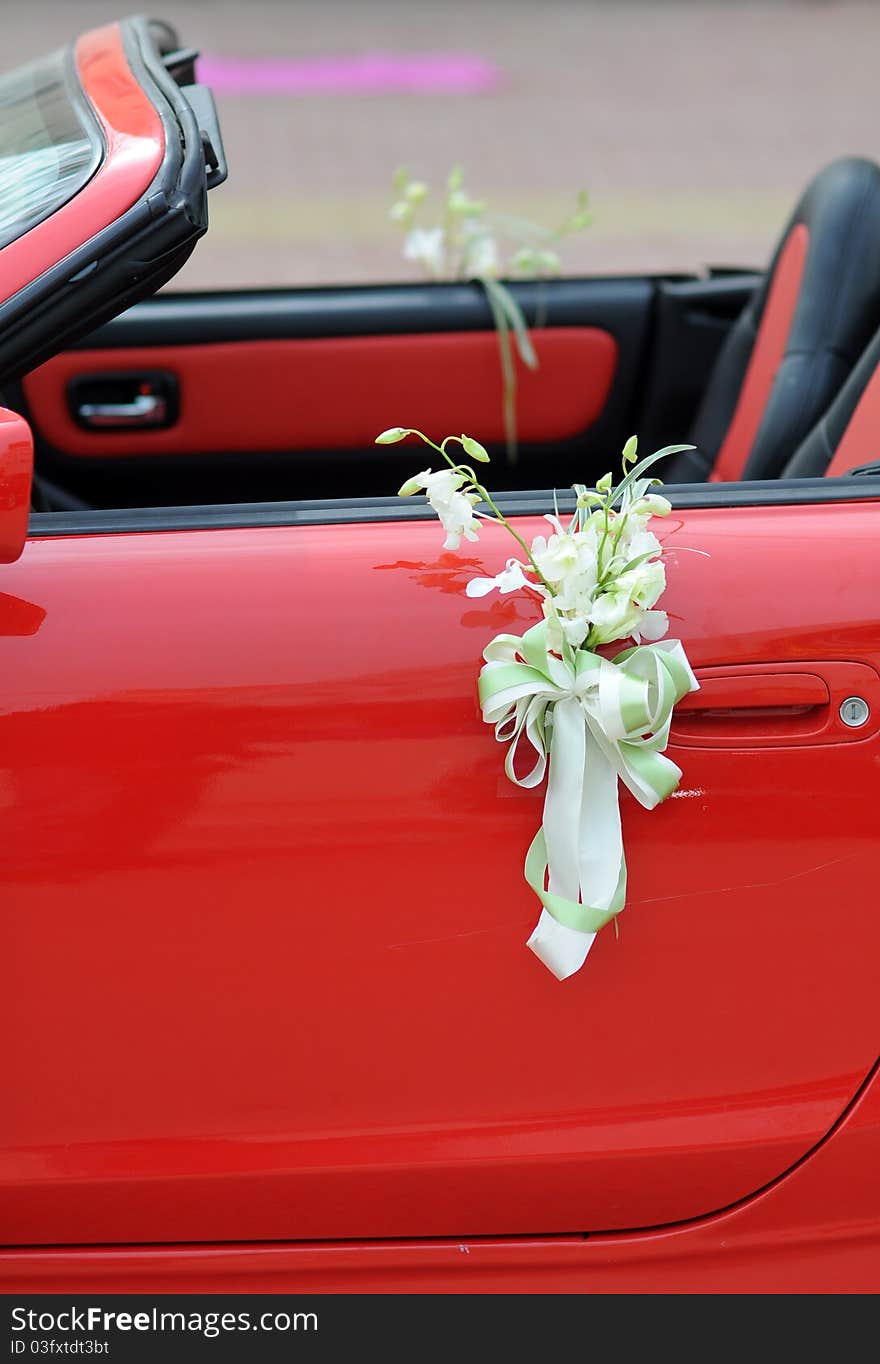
(864, 486)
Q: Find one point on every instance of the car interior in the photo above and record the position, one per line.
(147, 400)
(275, 396)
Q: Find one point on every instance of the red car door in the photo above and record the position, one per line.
(263, 907)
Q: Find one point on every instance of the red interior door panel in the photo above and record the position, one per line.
(336, 392)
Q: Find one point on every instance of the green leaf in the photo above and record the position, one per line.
(508, 371)
(474, 449)
(514, 314)
(643, 464)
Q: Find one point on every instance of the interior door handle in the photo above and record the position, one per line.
(124, 399)
(145, 409)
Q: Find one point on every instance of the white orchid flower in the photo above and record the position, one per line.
(458, 520)
(569, 562)
(652, 627)
(482, 256)
(641, 544)
(554, 623)
(576, 592)
(556, 557)
(614, 616)
(427, 247)
(644, 584)
(564, 555)
(454, 508)
(510, 579)
(575, 629)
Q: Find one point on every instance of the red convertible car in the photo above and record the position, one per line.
(268, 1020)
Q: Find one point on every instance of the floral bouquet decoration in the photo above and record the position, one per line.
(466, 244)
(588, 720)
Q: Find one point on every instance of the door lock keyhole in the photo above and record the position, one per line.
(854, 711)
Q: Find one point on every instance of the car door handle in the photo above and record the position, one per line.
(765, 705)
(750, 692)
(145, 409)
(124, 399)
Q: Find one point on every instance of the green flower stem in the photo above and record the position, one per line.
(486, 497)
(621, 520)
(605, 506)
(508, 369)
(478, 488)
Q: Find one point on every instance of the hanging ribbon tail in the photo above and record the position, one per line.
(589, 722)
(562, 950)
(579, 848)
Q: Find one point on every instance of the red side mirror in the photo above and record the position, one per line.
(16, 474)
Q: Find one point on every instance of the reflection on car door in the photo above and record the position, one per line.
(264, 914)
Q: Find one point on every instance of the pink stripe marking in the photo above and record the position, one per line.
(380, 72)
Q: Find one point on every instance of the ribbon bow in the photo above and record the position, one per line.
(589, 721)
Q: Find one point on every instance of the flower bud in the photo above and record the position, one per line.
(392, 435)
(524, 261)
(474, 449)
(416, 191)
(463, 206)
(412, 485)
(549, 261)
(629, 450)
(654, 505)
(603, 485)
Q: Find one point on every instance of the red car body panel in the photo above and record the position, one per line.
(134, 146)
(16, 470)
(266, 908)
(452, 380)
(814, 1231)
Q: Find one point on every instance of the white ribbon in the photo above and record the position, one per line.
(606, 719)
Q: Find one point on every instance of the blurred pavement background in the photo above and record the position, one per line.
(693, 123)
